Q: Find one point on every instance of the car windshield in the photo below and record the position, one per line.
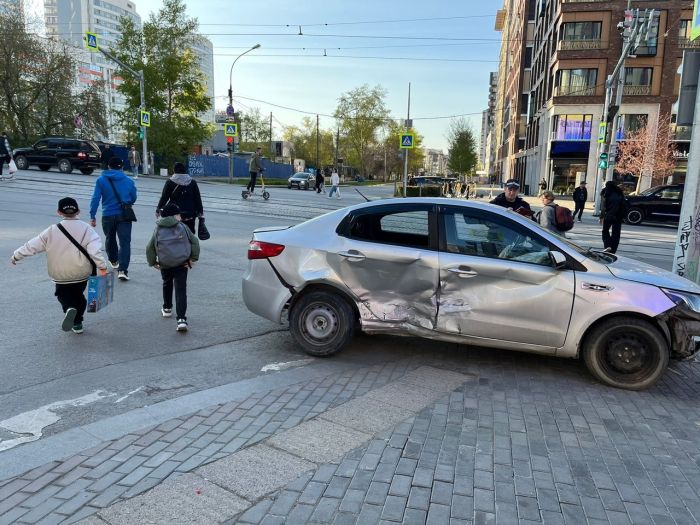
(651, 191)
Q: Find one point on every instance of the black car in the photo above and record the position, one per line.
(660, 203)
(65, 153)
(302, 181)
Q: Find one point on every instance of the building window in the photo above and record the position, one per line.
(684, 30)
(572, 127)
(576, 82)
(630, 123)
(581, 31)
(638, 80)
(649, 49)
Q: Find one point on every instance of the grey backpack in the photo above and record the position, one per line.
(173, 246)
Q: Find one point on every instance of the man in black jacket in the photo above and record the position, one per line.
(5, 151)
(580, 198)
(182, 189)
(613, 207)
(509, 198)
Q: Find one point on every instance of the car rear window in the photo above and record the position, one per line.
(404, 228)
(88, 146)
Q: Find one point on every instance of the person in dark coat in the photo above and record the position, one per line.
(509, 198)
(319, 181)
(107, 154)
(613, 206)
(580, 198)
(182, 189)
(5, 151)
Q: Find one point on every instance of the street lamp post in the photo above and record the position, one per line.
(230, 103)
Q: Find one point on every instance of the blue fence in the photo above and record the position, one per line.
(212, 166)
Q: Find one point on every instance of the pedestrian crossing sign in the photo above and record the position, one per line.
(407, 140)
(231, 130)
(91, 41)
(145, 118)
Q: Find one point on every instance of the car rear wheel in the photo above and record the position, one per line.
(626, 352)
(86, 171)
(45, 167)
(322, 323)
(22, 162)
(634, 216)
(64, 166)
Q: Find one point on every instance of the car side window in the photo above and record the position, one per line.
(669, 194)
(42, 144)
(402, 227)
(479, 235)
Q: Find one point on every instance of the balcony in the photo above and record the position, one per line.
(574, 91)
(637, 90)
(574, 45)
(687, 43)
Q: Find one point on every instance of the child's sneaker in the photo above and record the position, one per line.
(167, 312)
(181, 325)
(78, 328)
(123, 275)
(69, 319)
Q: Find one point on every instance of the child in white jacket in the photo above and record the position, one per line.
(68, 266)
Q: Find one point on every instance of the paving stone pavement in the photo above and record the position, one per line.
(477, 437)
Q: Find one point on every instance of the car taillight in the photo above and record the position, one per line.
(263, 250)
(81, 155)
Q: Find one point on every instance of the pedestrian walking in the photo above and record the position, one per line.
(182, 189)
(613, 207)
(172, 250)
(68, 266)
(255, 168)
(543, 184)
(107, 154)
(335, 185)
(510, 199)
(547, 216)
(580, 198)
(134, 161)
(5, 151)
(319, 181)
(115, 190)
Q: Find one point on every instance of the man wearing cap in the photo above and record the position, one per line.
(580, 198)
(509, 198)
(68, 266)
(112, 187)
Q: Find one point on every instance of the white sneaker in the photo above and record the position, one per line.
(69, 319)
(123, 276)
(181, 325)
(167, 312)
(114, 265)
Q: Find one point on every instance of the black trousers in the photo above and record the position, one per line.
(251, 182)
(73, 296)
(177, 278)
(579, 206)
(190, 223)
(611, 233)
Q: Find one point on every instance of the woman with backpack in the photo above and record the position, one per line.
(181, 189)
(547, 216)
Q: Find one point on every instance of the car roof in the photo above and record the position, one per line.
(440, 200)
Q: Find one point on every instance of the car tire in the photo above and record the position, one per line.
(22, 162)
(44, 167)
(306, 187)
(322, 323)
(626, 352)
(64, 166)
(289, 186)
(634, 216)
(86, 171)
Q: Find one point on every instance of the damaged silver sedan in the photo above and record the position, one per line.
(475, 274)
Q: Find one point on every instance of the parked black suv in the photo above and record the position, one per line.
(660, 203)
(65, 153)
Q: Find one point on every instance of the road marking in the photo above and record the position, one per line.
(29, 425)
(276, 367)
(127, 395)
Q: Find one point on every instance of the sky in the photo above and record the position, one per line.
(444, 48)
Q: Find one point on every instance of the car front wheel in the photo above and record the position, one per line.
(626, 352)
(322, 323)
(634, 216)
(64, 166)
(22, 162)
(86, 171)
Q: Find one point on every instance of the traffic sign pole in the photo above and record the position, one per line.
(405, 152)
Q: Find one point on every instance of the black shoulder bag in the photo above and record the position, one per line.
(128, 214)
(80, 247)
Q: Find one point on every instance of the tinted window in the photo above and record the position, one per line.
(42, 144)
(400, 227)
(481, 235)
(669, 194)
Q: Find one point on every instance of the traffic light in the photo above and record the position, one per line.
(229, 139)
(612, 111)
(603, 161)
(140, 134)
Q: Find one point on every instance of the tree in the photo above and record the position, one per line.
(303, 140)
(647, 152)
(360, 113)
(462, 150)
(37, 76)
(255, 130)
(394, 154)
(174, 84)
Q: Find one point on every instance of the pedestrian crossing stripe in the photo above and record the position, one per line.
(231, 130)
(407, 141)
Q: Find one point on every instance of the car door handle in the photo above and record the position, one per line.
(463, 272)
(353, 255)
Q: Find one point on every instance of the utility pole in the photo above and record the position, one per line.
(405, 151)
(272, 153)
(317, 144)
(633, 27)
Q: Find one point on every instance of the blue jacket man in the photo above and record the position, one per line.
(113, 225)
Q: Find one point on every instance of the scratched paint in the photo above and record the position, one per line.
(29, 425)
(276, 367)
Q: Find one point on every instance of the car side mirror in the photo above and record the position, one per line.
(558, 260)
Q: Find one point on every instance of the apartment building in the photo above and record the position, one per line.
(435, 162)
(204, 49)
(572, 47)
(488, 118)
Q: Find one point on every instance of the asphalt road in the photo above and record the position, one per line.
(130, 353)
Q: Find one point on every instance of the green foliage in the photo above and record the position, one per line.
(36, 80)
(462, 150)
(420, 191)
(394, 156)
(254, 130)
(303, 141)
(174, 84)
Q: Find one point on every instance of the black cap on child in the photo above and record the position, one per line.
(68, 206)
(115, 163)
(169, 210)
